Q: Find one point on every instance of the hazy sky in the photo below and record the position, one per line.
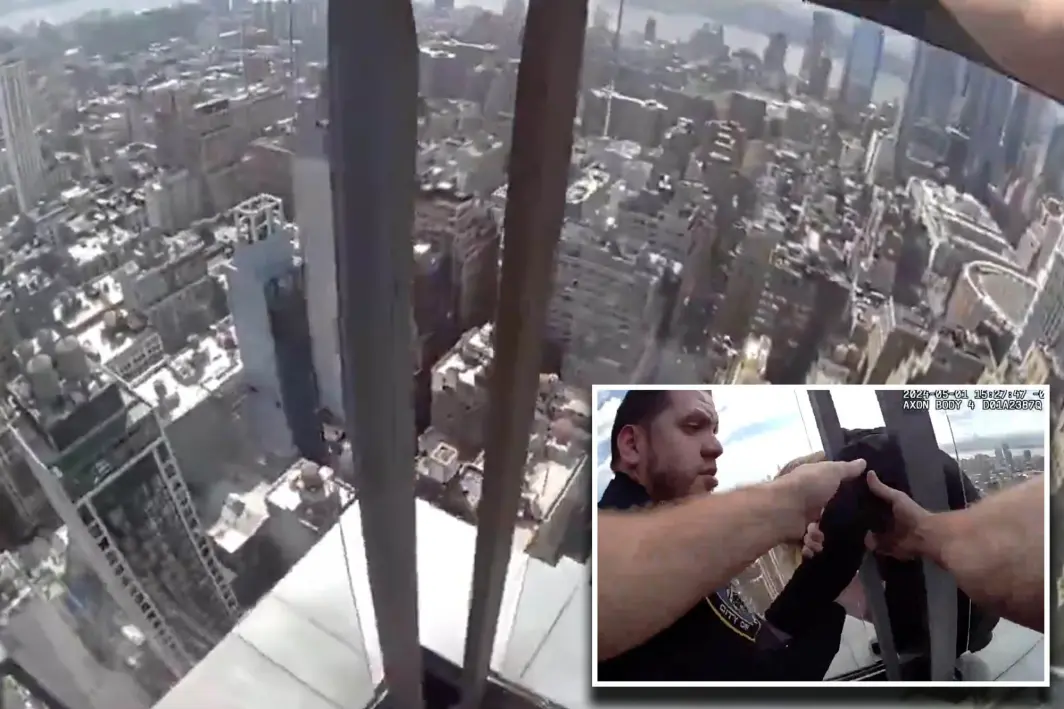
(764, 427)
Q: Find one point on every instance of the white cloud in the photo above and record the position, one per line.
(858, 407)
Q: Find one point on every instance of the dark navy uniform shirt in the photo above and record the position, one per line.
(720, 639)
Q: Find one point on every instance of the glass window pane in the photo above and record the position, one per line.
(981, 445)
(995, 452)
(552, 605)
(169, 499)
(784, 197)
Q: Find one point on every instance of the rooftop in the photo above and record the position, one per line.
(57, 382)
(1005, 291)
(76, 308)
(241, 517)
(105, 340)
(468, 361)
(305, 487)
(192, 375)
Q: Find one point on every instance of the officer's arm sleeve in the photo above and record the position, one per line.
(809, 655)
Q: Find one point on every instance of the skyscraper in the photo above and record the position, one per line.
(1044, 320)
(264, 253)
(930, 93)
(1016, 132)
(986, 108)
(286, 306)
(313, 200)
(25, 162)
(775, 56)
(821, 38)
(102, 457)
(650, 30)
(863, 58)
(1052, 164)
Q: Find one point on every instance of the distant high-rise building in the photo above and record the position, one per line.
(956, 156)
(820, 78)
(466, 228)
(600, 302)
(863, 58)
(1052, 167)
(265, 252)
(286, 306)
(443, 5)
(1044, 320)
(1010, 461)
(821, 38)
(102, 458)
(25, 162)
(929, 97)
(1017, 127)
(514, 11)
(650, 30)
(312, 190)
(775, 56)
(986, 109)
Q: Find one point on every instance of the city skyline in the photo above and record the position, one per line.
(254, 448)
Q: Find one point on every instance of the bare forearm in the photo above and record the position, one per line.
(1025, 37)
(655, 565)
(996, 552)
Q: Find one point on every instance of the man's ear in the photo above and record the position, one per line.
(629, 446)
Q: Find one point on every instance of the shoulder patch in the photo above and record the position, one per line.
(731, 610)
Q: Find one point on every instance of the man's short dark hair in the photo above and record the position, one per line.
(638, 408)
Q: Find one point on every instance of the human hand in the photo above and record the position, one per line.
(904, 540)
(811, 485)
(817, 457)
(813, 541)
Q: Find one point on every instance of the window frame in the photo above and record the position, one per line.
(548, 84)
(831, 437)
(916, 438)
(372, 157)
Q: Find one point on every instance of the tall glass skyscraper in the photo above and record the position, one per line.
(930, 94)
(985, 111)
(863, 58)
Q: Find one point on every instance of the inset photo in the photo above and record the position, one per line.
(752, 536)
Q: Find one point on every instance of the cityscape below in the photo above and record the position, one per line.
(830, 206)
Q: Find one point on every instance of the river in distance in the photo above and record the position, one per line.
(670, 26)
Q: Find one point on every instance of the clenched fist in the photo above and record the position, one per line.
(811, 485)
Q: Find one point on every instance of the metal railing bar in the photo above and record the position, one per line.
(927, 485)
(831, 435)
(547, 85)
(372, 136)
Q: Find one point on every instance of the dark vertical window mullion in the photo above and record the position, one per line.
(927, 483)
(827, 422)
(373, 89)
(545, 107)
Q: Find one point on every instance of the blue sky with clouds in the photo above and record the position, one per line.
(764, 427)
